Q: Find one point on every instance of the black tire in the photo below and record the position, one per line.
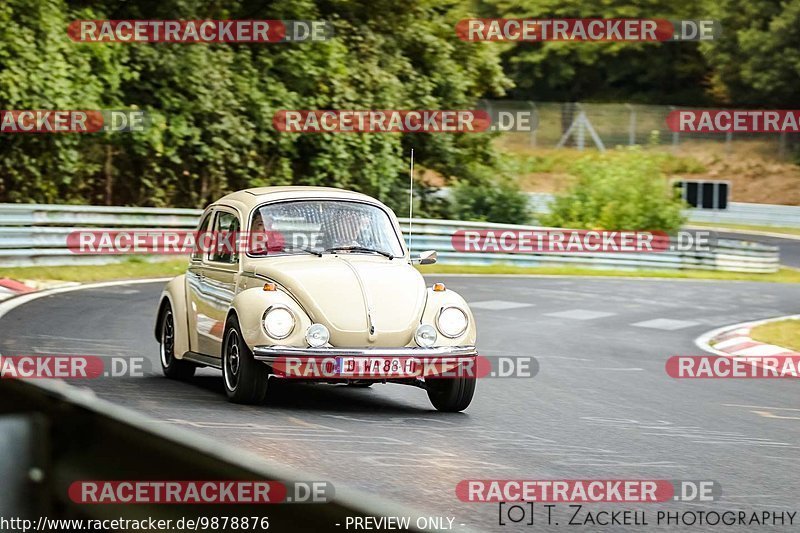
(245, 378)
(173, 368)
(451, 395)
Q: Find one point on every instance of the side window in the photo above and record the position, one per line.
(226, 235)
(197, 253)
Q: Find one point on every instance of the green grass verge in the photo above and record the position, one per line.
(784, 275)
(785, 333)
(131, 269)
(538, 159)
(768, 229)
(134, 269)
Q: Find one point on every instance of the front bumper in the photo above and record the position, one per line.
(271, 354)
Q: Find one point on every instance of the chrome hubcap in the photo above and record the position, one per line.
(232, 360)
(167, 340)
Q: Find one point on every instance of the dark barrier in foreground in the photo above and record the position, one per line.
(52, 435)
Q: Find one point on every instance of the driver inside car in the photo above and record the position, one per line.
(263, 238)
(351, 230)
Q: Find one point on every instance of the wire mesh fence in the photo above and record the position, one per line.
(607, 125)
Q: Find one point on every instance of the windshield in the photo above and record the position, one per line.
(322, 226)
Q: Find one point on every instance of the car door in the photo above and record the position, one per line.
(194, 277)
(220, 275)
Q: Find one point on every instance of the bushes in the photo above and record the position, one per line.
(493, 201)
(621, 189)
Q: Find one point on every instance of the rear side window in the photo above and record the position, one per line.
(197, 253)
(226, 232)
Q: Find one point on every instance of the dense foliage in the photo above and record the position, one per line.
(641, 72)
(211, 105)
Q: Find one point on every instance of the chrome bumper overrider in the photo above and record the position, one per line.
(270, 354)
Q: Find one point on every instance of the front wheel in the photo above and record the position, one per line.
(451, 395)
(172, 367)
(245, 378)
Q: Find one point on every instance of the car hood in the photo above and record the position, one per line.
(363, 300)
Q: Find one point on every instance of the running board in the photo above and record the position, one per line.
(205, 360)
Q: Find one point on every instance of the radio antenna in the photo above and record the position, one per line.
(410, 198)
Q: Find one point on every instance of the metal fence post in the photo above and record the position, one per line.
(675, 134)
(631, 125)
(580, 138)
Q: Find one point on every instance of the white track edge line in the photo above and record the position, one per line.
(12, 303)
(704, 341)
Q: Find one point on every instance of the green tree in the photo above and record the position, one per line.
(644, 72)
(211, 106)
(41, 69)
(494, 201)
(757, 60)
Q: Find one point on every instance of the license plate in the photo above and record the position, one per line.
(377, 367)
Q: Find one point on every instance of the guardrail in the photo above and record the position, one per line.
(35, 234)
(754, 214)
(54, 434)
(728, 255)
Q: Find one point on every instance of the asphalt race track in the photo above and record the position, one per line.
(601, 406)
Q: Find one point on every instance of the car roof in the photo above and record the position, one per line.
(247, 199)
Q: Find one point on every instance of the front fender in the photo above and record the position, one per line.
(438, 299)
(250, 305)
(174, 294)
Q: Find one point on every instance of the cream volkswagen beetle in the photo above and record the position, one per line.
(329, 294)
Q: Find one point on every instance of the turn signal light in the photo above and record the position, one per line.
(438, 287)
(270, 287)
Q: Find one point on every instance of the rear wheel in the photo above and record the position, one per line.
(245, 378)
(451, 395)
(172, 367)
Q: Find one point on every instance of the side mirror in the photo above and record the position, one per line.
(428, 257)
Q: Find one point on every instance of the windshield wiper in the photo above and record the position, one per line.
(306, 250)
(359, 249)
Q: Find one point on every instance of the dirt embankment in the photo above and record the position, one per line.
(754, 169)
(756, 175)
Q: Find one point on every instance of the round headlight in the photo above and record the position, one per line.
(317, 335)
(425, 336)
(278, 322)
(452, 322)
